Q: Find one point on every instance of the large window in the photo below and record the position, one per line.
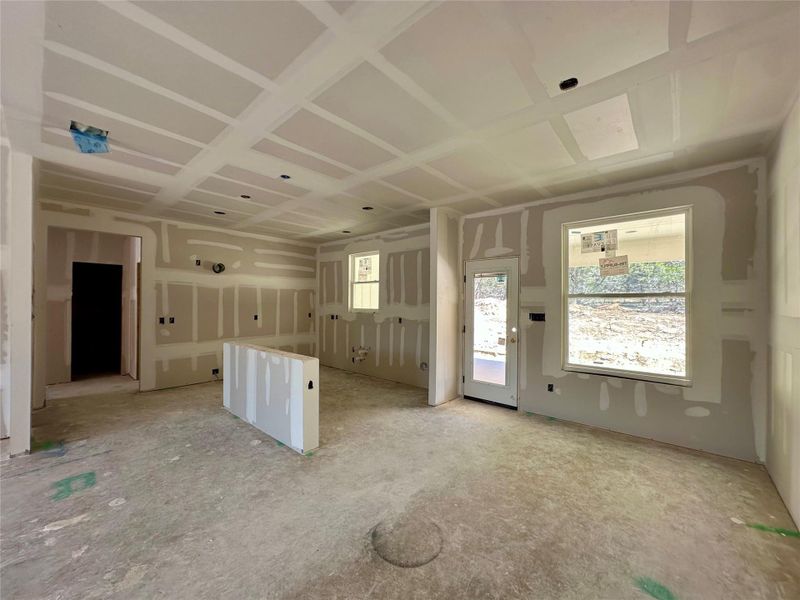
(627, 296)
(364, 281)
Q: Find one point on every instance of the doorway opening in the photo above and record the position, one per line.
(96, 320)
(93, 300)
(491, 331)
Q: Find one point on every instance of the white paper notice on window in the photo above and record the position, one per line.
(599, 241)
(365, 269)
(617, 265)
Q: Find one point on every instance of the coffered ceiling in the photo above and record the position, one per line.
(400, 106)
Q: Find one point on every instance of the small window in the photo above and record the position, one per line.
(627, 296)
(364, 281)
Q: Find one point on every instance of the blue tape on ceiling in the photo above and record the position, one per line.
(88, 139)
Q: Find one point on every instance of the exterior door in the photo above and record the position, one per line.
(491, 328)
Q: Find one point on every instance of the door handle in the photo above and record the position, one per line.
(513, 340)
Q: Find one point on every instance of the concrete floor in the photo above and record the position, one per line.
(173, 497)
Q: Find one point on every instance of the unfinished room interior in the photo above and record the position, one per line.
(410, 299)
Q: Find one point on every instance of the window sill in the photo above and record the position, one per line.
(633, 375)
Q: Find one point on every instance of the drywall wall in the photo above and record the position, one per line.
(275, 391)
(446, 278)
(264, 296)
(64, 247)
(5, 280)
(396, 335)
(783, 453)
(16, 268)
(724, 411)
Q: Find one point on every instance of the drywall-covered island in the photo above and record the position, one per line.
(276, 391)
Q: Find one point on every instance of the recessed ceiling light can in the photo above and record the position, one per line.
(219, 212)
(285, 176)
(346, 231)
(245, 196)
(568, 84)
(366, 208)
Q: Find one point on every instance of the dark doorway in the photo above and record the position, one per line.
(96, 319)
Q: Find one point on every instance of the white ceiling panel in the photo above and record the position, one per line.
(60, 140)
(376, 193)
(365, 96)
(94, 87)
(264, 36)
(395, 105)
(535, 149)
(265, 181)
(121, 135)
(320, 135)
(236, 190)
(155, 58)
(591, 40)
(457, 57)
(301, 159)
(604, 129)
(423, 184)
(475, 168)
(711, 17)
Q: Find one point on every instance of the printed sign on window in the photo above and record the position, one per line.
(365, 268)
(617, 265)
(599, 241)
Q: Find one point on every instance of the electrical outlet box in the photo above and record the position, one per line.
(255, 317)
(172, 319)
(215, 371)
(550, 387)
(161, 320)
(536, 316)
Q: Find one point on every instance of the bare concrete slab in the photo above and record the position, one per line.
(165, 494)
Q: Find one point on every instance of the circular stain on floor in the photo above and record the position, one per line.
(407, 542)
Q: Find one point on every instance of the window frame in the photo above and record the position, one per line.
(684, 381)
(351, 263)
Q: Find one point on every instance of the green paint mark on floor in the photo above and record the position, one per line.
(552, 419)
(68, 486)
(654, 589)
(530, 414)
(778, 530)
(281, 444)
(42, 446)
(309, 453)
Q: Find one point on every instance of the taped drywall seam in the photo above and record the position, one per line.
(346, 338)
(476, 242)
(236, 310)
(94, 252)
(211, 244)
(419, 278)
(259, 308)
(335, 331)
(418, 354)
(220, 314)
(524, 251)
(323, 329)
(377, 344)
(278, 313)
(605, 400)
(402, 278)
(402, 345)
(70, 255)
(164, 298)
(294, 323)
(165, 242)
(390, 282)
(195, 313)
(336, 281)
(391, 343)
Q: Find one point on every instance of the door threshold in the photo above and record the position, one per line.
(500, 404)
